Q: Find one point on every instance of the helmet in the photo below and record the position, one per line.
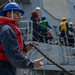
(43, 17)
(37, 8)
(12, 6)
(63, 19)
(71, 23)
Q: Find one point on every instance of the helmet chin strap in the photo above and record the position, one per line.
(10, 1)
(12, 14)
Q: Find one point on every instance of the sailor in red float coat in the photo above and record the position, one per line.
(11, 55)
(4, 23)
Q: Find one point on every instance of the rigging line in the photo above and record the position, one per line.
(39, 34)
(3, 4)
(52, 60)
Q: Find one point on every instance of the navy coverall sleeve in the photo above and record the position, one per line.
(48, 25)
(11, 48)
(67, 26)
(33, 17)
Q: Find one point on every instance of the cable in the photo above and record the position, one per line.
(52, 60)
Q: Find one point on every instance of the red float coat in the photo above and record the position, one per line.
(11, 23)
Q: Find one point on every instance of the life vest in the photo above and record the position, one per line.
(11, 23)
(63, 26)
(37, 16)
(43, 25)
(48, 34)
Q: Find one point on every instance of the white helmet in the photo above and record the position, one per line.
(37, 8)
(71, 23)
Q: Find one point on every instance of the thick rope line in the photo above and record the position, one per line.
(52, 60)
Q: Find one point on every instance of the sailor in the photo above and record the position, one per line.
(71, 27)
(64, 28)
(71, 35)
(43, 28)
(35, 19)
(12, 51)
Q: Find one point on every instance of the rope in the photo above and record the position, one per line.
(52, 60)
(39, 34)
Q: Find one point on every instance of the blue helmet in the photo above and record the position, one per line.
(11, 6)
(43, 17)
